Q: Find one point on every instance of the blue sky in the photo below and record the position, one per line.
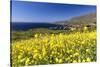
(23, 11)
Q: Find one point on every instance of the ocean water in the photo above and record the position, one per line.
(25, 26)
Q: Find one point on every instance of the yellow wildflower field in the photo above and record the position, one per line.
(55, 49)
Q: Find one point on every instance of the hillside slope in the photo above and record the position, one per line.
(80, 20)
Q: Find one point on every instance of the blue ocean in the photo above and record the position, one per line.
(25, 26)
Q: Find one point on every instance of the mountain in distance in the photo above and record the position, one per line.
(86, 19)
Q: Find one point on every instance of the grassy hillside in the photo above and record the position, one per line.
(19, 35)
